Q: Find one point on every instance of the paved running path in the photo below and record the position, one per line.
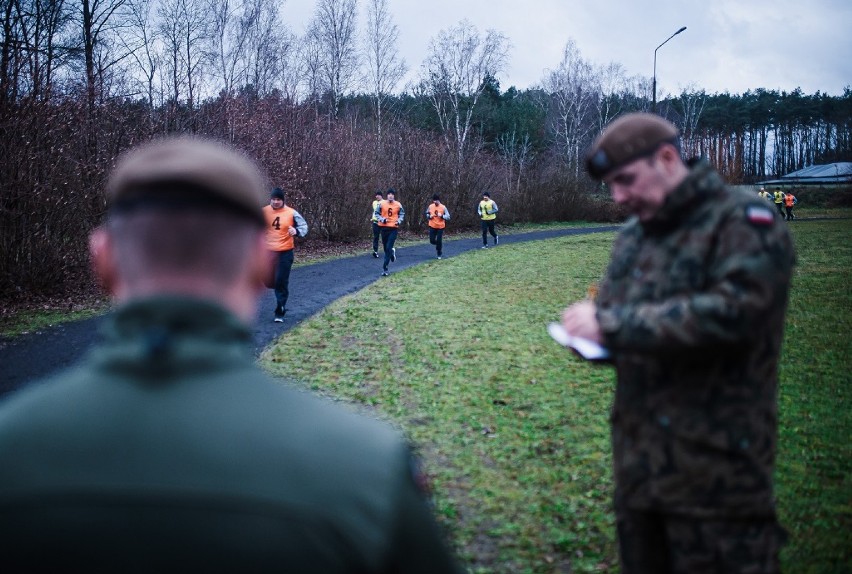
(312, 287)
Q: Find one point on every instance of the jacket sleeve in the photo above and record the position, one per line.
(418, 544)
(301, 224)
(747, 279)
(494, 208)
(401, 215)
(446, 214)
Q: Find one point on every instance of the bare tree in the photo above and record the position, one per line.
(184, 30)
(384, 67)
(232, 22)
(38, 32)
(141, 41)
(612, 83)
(574, 90)
(332, 37)
(455, 73)
(516, 153)
(97, 19)
(690, 105)
(269, 50)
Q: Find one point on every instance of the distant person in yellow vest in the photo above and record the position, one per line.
(390, 214)
(437, 215)
(487, 211)
(789, 201)
(283, 223)
(375, 221)
(779, 201)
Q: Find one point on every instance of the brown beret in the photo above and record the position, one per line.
(626, 139)
(172, 170)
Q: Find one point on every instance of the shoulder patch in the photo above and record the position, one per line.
(758, 215)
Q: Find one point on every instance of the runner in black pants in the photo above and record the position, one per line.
(390, 216)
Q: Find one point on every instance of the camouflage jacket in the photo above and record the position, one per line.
(692, 306)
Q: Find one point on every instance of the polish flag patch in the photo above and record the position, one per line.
(760, 215)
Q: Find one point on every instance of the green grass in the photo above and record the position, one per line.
(317, 252)
(28, 321)
(815, 455)
(513, 430)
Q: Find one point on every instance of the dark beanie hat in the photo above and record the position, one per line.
(486, 194)
(390, 190)
(436, 197)
(277, 193)
(626, 139)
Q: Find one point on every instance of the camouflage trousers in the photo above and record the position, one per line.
(655, 543)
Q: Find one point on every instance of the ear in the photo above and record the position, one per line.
(103, 263)
(670, 159)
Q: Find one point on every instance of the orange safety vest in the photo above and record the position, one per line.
(437, 222)
(390, 211)
(789, 200)
(278, 224)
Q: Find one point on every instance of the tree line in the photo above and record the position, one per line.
(325, 115)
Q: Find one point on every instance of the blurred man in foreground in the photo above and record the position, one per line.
(168, 449)
(692, 309)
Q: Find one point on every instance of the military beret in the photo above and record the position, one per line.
(188, 171)
(626, 139)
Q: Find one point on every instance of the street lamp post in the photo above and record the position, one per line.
(654, 84)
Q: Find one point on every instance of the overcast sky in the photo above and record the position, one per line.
(728, 46)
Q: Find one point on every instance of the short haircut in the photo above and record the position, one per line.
(174, 242)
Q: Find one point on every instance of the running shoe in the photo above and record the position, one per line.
(376, 254)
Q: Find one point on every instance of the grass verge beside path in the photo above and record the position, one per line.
(514, 430)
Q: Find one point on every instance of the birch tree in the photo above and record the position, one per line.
(574, 90)
(332, 37)
(385, 69)
(454, 76)
(270, 49)
(184, 30)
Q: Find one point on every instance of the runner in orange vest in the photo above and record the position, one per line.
(390, 215)
(283, 223)
(789, 201)
(438, 215)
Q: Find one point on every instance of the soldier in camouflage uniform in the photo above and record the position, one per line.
(692, 308)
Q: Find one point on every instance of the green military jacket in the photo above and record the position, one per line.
(168, 449)
(693, 306)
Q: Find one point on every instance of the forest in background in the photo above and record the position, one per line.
(324, 115)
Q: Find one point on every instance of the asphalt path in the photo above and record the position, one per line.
(31, 357)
